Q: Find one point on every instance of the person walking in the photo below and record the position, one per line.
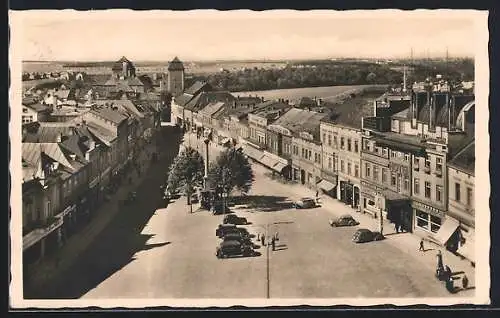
(396, 226)
(258, 236)
(439, 259)
(273, 243)
(263, 239)
(421, 248)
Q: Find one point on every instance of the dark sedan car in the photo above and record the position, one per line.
(365, 235)
(344, 220)
(237, 237)
(234, 219)
(233, 248)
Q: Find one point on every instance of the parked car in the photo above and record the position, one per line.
(236, 236)
(234, 219)
(344, 220)
(305, 203)
(224, 229)
(365, 235)
(233, 248)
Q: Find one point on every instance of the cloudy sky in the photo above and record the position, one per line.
(207, 35)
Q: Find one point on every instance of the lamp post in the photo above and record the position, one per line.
(205, 176)
(268, 274)
(381, 217)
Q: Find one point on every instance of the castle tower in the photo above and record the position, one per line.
(175, 77)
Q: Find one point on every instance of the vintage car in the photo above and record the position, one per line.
(234, 219)
(343, 220)
(365, 235)
(305, 203)
(233, 248)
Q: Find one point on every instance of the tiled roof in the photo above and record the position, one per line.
(197, 87)
(204, 98)
(183, 99)
(297, 120)
(105, 135)
(75, 145)
(31, 153)
(212, 108)
(466, 158)
(457, 142)
(38, 107)
(175, 65)
(270, 108)
(109, 114)
(134, 81)
(46, 133)
(350, 112)
(126, 104)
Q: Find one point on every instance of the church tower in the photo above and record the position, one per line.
(175, 77)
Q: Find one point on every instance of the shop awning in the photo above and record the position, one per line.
(279, 167)
(326, 185)
(393, 196)
(467, 249)
(253, 153)
(446, 230)
(268, 161)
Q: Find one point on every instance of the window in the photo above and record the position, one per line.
(406, 184)
(393, 154)
(342, 165)
(427, 166)
(439, 191)
(393, 179)
(422, 219)
(329, 162)
(407, 157)
(375, 173)
(416, 161)
(319, 158)
(384, 175)
(427, 189)
(435, 223)
(469, 196)
(329, 140)
(342, 143)
(349, 168)
(356, 146)
(439, 165)
(384, 151)
(416, 186)
(335, 141)
(367, 171)
(324, 137)
(356, 171)
(303, 153)
(457, 192)
(310, 155)
(366, 145)
(348, 144)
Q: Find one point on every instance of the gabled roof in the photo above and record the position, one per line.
(75, 144)
(197, 87)
(465, 159)
(31, 153)
(298, 120)
(126, 104)
(104, 135)
(183, 99)
(109, 114)
(212, 108)
(204, 98)
(38, 107)
(47, 133)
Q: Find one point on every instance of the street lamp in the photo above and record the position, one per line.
(205, 177)
(381, 217)
(268, 275)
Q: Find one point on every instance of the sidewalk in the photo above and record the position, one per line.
(406, 242)
(50, 266)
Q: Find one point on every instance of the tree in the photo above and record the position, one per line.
(232, 170)
(186, 172)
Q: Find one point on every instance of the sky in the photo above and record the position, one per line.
(209, 35)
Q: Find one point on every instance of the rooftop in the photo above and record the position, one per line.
(297, 120)
(465, 159)
(110, 114)
(197, 87)
(351, 112)
(175, 65)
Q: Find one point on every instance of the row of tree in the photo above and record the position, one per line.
(330, 73)
(231, 170)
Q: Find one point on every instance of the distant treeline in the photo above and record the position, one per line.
(331, 73)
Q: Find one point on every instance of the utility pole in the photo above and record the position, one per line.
(268, 276)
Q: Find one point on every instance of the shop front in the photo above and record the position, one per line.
(427, 219)
(349, 193)
(398, 209)
(328, 185)
(276, 164)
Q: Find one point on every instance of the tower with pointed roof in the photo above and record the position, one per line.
(123, 68)
(175, 77)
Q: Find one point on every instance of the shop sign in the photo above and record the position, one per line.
(428, 209)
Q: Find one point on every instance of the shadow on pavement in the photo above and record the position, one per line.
(265, 203)
(116, 246)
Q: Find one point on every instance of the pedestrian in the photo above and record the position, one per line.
(439, 259)
(396, 226)
(421, 248)
(317, 194)
(276, 237)
(465, 282)
(258, 236)
(263, 240)
(447, 270)
(273, 243)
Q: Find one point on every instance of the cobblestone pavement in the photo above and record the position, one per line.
(312, 259)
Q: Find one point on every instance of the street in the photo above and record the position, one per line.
(176, 256)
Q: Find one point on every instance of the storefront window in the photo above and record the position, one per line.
(435, 223)
(422, 219)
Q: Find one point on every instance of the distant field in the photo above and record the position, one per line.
(328, 93)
